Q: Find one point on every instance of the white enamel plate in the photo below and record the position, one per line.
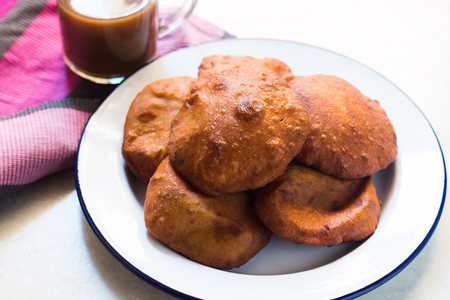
(412, 191)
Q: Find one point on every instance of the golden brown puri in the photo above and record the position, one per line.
(241, 127)
(308, 207)
(147, 125)
(351, 135)
(221, 232)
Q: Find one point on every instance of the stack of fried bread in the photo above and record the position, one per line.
(247, 149)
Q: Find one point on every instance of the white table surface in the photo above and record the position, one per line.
(48, 251)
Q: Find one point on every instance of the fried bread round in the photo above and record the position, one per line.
(308, 207)
(351, 135)
(147, 125)
(221, 232)
(241, 127)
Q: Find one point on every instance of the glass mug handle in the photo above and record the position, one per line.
(175, 19)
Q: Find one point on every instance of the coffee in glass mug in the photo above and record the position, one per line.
(106, 40)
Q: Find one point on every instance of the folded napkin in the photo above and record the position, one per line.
(43, 105)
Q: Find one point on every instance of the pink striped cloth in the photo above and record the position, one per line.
(43, 105)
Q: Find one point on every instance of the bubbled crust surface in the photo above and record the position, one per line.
(147, 126)
(308, 207)
(241, 127)
(351, 135)
(221, 232)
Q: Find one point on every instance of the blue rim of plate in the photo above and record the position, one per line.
(351, 295)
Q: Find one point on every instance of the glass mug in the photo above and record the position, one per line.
(106, 40)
